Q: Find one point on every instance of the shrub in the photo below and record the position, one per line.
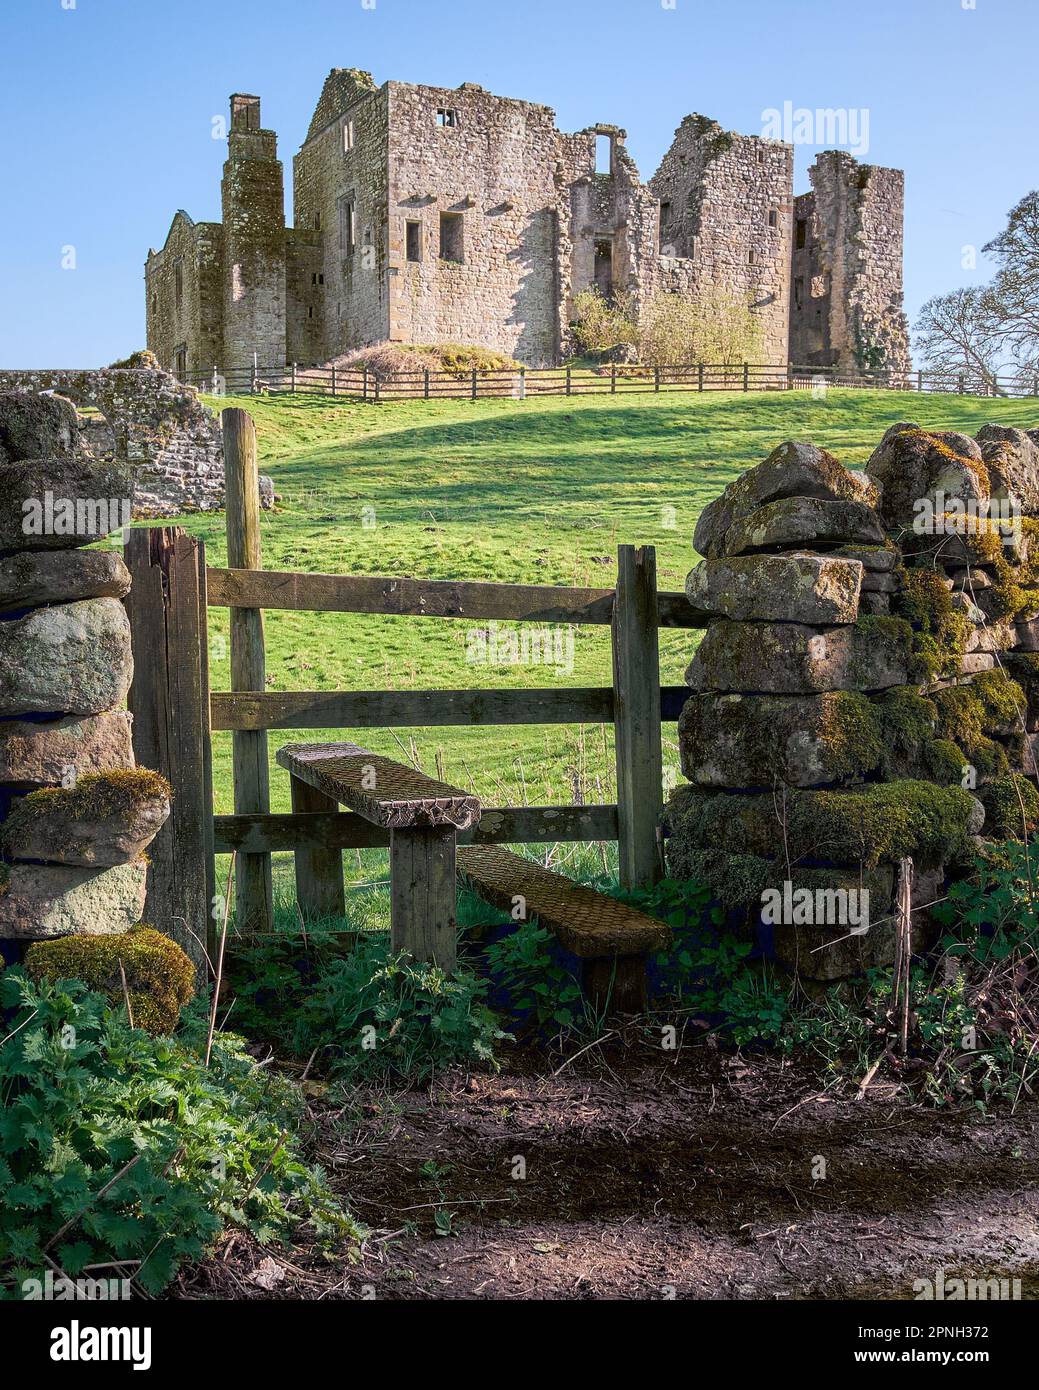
(372, 1014)
(539, 989)
(84, 1098)
(160, 978)
(669, 330)
(394, 359)
(600, 324)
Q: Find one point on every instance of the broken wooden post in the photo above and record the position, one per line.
(169, 701)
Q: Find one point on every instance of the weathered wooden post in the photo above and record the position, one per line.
(169, 701)
(319, 872)
(636, 694)
(254, 897)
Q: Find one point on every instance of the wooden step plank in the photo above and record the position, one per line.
(384, 792)
(587, 923)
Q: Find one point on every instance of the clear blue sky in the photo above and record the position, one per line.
(106, 111)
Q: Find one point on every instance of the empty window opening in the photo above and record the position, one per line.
(317, 278)
(604, 154)
(452, 244)
(665, 216)
(761, 156)
(750, 257)
(178, 284)
(347, 236)
(413, 241)
(155, 301)
(310, 311)
(802, 232)
(180, 361)
(773, 219)
(348, 136)
(799, 292)
(603, 271)
(447, 117)
(317, 221)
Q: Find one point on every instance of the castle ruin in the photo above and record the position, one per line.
(433, 214)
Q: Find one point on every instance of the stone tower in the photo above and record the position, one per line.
(847, 310)
(253, 201)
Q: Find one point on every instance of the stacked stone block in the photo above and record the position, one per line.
(867, 689)
(75, 814)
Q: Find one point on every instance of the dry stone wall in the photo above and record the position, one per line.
(148, 423)
(867, 689)
(75, 814)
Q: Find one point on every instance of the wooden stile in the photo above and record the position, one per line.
(254, 896)
(169, 704)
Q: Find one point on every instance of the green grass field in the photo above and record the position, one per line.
(539, 491)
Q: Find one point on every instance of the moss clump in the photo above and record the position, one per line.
(160, 978)
(944, 762)
(940, 633)
(1003, 799)
(871, 825)
(97, 796)
(851, 733)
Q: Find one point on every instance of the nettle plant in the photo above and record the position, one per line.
(126, 1152)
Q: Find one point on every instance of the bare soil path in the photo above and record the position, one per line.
(707, 1177)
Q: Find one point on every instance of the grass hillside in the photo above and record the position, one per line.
(538, 491)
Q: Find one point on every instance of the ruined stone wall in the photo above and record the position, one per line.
(867, 690)
(491, 165)
(537, 223)
(159, 428)
(327, 179)
(75, 816)
(726, 203)
(192, 317)
(848, 303)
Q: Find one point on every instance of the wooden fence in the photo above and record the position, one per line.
(520, 383)
(175, 712)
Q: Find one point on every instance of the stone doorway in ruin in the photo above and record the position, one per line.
(603, 270)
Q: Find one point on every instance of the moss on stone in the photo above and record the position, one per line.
(160, 977)
(880, 823)
(940, 633)
(944, 762)
(1003, 800)
(96, 796)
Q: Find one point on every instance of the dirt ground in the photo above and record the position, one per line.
(706, 1176)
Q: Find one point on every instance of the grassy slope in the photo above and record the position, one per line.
(540, 491)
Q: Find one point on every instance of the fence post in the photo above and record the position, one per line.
(169, 701)
(333, 379)
(475, 379)
(254, 896)
(656, 378)
(746, 376)
(700, 378)
(377, 388)
(425, 382)
(636, 695)
(568, 381)
(293, 387)
(364, 383)
(523, 383)
(962, 387)
(613, 378)
(919, 379)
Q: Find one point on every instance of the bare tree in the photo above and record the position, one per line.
(956, 335)
(1012, 301)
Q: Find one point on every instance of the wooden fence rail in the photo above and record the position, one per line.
(617, 379)
(177, 712)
